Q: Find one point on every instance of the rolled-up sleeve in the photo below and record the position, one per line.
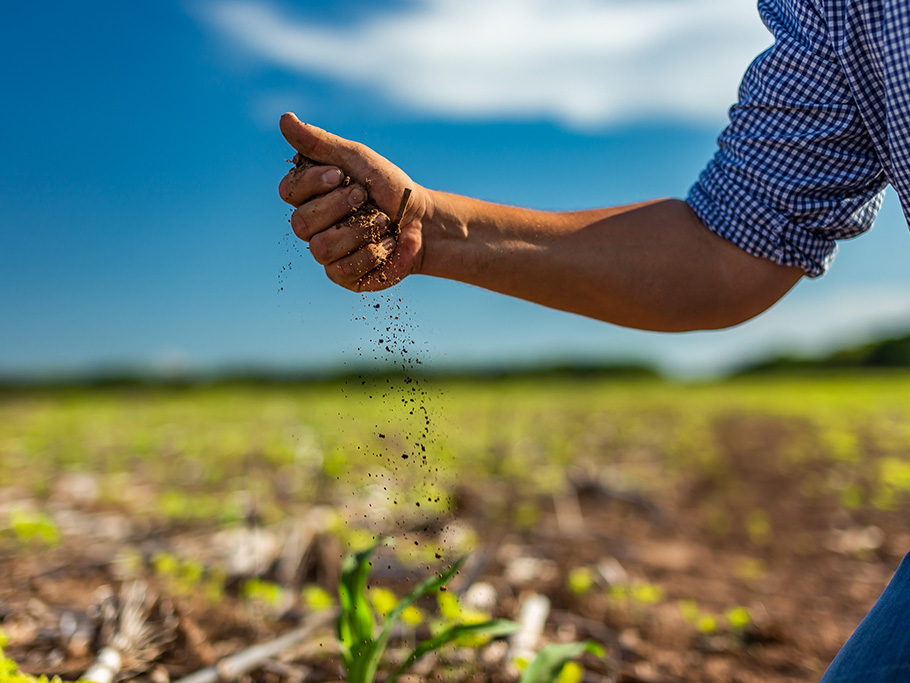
(796, 169)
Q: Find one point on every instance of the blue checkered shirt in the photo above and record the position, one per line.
(822, 126)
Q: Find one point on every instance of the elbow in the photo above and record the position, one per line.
(737, 299)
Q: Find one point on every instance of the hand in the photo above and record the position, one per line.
(353, 241)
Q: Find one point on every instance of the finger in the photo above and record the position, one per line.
(347, 237)
(395, 268)
(313, 142)
(323, 212)
(306, 182)
(348, 270)
(325, 148)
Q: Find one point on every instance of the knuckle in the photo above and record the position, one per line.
(284, 189)
(327, 177)
(369, 255)
(318, 150)
(333, 272)
(300, 225)
(299, 185)
(341, 272)
(357, 149)
(312, 178)
(331, 275)
(319, 248)
(354, 197)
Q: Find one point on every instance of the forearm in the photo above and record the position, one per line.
(650, 266)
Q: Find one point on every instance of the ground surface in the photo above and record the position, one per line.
(646, 513)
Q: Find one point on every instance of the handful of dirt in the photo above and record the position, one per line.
(368, 212)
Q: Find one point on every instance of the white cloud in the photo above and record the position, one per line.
(583, 62)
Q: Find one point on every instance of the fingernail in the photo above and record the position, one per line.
(332, 177)
(357, 196)
(388, 243)
(381, 220)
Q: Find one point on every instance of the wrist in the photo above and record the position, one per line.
(444, 229)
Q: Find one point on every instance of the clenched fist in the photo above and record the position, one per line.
(361, 215)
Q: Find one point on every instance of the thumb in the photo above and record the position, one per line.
(315, 143)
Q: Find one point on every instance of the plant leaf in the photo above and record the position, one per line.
(549, 661)
(355, 621)
(428, 585)
(495, 628)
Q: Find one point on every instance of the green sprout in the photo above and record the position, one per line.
(453, 612)
(32, 528)
(413, 616)
(9, 672)
(383, 601)
(185, 577)
(641, 592)
(363, 641)
(572, 672)
(316, 598)
(689, 610)
(647, 593)
(739, 618)
(758, 527)
(263, 592)
(581, 580)
(552, 663)
(706, 624)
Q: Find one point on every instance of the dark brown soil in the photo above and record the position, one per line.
(806, 587)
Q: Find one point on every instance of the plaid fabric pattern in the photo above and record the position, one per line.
(822, 126)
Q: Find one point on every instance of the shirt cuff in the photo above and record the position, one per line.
(734, 214)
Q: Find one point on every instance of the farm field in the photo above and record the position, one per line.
(731, 531)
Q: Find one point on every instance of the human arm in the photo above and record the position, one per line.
(649, 266)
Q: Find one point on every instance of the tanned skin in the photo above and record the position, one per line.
(651, 266)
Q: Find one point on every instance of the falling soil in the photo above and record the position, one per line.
(392, 345)
(408, 454)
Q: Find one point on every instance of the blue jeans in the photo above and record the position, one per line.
(879, 649)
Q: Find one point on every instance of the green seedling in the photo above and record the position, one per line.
(581, 580)
(689, 610)
(363, 641)
(34, 528)
(316, 598)
(572, 672)
(550, 663)
(739, 618)
(641, 593)
(758, 527)
(706, 624)
(452, 613)
(9, 672)
(189, 577)
(265, 593)
(647, 593)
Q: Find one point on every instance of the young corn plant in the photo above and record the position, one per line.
(10, 673)
(551, 662)
(363, 638)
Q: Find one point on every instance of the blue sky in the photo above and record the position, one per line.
(141, 224)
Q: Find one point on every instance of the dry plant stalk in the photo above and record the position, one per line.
(131, 641)
(234, 666)
(532, 617)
